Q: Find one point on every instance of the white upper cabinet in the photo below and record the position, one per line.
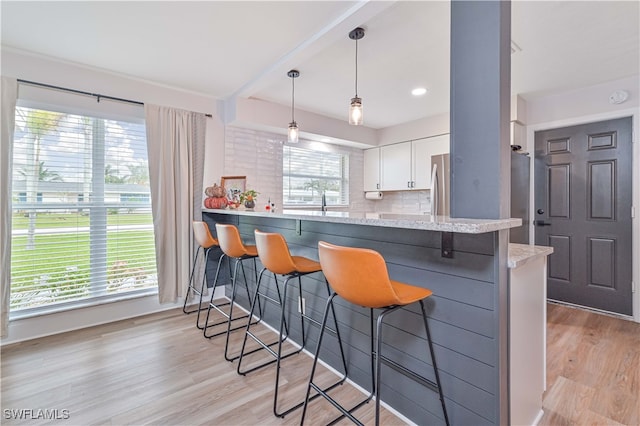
(402, 166)
(395, 161)
(372, 169)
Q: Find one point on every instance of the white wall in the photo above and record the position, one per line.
(45, 70)
(582, 102)
(417, 129)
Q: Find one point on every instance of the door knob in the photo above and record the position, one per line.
(540, 211)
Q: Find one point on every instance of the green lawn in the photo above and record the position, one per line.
(62, 261)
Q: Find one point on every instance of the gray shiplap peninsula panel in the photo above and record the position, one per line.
(461, 311)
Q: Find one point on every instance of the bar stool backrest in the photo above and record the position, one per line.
(358, 275)
(230, 240)
(273, 252)
(202, 235)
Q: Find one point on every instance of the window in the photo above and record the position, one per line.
(82, 226)
(307, 174)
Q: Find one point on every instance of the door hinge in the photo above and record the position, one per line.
(633, 286)
(633, 212)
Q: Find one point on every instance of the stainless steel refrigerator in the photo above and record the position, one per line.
(520, 173)
(440, 185)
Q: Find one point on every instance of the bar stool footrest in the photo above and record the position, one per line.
(409, 373)
(267, 347)
(327, 389)
(345, 412)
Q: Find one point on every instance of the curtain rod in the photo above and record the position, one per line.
(82, 92)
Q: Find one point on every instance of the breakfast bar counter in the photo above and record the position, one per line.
(463, 261)
(425, 222)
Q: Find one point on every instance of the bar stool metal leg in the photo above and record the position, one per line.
(191, 288)
(248, 333)
(381, 359)
(199, 325)
(318, 389)
(229, 317)
(433, 360)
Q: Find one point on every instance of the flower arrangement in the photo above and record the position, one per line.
(249, 195)
(249, 198)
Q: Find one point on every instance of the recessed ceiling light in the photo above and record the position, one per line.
(418, 91)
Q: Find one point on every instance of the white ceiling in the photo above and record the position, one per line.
(239, 48)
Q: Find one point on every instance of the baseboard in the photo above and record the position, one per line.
(538, 417)
(595, 310)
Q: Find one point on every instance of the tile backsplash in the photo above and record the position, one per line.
(258, 156)
(403, 202)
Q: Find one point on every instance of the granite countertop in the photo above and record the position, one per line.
(390, 220)
(520, 254)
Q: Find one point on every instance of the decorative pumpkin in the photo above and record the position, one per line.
(216, 202)
(215, 191)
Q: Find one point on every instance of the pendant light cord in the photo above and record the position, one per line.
(356, 68)
(293, 98)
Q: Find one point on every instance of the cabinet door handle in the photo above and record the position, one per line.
(377, 186)
(409, 184)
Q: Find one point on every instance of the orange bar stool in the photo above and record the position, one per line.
(206, 242)
(276, 258)
(232, 247)
(360, 277)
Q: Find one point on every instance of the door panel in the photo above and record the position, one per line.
(558, 268)
(602, 261)
(559, 177)
(583, 197)
(602, 190)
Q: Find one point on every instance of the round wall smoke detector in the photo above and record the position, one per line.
(618, 97)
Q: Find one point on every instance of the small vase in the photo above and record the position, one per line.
(249, 204)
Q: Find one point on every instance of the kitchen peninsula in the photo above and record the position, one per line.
(458, 259)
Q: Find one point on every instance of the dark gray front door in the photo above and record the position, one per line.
(583, 210)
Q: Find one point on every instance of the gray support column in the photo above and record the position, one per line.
(480, 102)
(480, 152)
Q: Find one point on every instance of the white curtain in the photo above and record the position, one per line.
(9, 89)
(175, 141)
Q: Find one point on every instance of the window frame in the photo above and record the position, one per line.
(321, 148)
(98, 292)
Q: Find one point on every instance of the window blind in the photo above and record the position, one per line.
(308, 173)
(82, 226)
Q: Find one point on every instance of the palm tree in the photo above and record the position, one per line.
(139, 174)
(320, 186)
(39, 123)
(111, 175)
(44, 174)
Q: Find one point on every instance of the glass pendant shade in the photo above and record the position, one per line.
(355, 112)
(293, 133)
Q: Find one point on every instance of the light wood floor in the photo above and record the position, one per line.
(159, 370)
(593, 369)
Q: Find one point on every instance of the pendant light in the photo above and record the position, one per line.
(355, 110)
(293, 132)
